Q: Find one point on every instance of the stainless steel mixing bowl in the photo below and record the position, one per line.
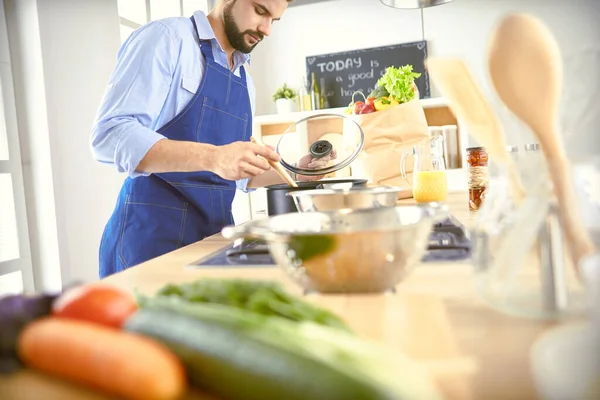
(346, 198)
(346, 251)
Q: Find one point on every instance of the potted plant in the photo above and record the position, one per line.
(285, 99)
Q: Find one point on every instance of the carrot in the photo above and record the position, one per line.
(125, 364)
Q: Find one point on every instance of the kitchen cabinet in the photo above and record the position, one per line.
(269, 129)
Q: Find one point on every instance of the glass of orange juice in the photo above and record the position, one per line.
(429, 182)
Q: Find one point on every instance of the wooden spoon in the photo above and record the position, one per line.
(277, 166)
(467, 101)
(526, 70)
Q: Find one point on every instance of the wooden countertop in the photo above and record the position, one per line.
(473, 351)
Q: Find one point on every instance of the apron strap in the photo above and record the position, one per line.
(206, 47)
(243, 74)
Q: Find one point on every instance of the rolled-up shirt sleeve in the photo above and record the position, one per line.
(122, 133)
(242, 184)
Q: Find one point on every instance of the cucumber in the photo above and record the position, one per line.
(236, 366)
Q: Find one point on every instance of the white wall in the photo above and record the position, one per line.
(460, 28)
(64, 52)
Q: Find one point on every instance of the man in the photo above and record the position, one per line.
(177, 118)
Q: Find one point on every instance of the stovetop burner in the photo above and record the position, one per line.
(448, 241)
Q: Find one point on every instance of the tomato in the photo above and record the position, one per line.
(371, 101)
(358, 106)
(367, 108)
(98, 303)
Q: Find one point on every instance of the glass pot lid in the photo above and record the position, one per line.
(320, 144)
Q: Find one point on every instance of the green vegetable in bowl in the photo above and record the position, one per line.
(260, 297)
(399, 82)
(310, 246)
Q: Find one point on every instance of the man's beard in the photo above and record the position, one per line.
(235, 37)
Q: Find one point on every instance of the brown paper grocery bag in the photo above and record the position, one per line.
(387, 134)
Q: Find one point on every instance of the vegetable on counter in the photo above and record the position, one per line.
(239, 339)
(260, 297)
(16, 311)
(238, 354)
(99, 303)
(130, 366)
(396, 86)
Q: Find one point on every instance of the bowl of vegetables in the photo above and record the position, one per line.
(346, 251)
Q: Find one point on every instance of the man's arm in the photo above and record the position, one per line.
(137, 91)
(233, 161)
(135, 96)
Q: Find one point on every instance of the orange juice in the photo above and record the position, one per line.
(430, 186)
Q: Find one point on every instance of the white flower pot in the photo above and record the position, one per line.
(286, 106)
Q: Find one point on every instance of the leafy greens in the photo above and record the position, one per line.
(398, 82)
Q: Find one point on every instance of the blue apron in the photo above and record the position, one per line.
(162, 212)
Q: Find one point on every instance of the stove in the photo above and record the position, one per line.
(448, 242)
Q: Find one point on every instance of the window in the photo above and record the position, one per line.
(16, 272)
(133, 10)
(9, 242)
(135, 13)
(3, 139)
(164, 9)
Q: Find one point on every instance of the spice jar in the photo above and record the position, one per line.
(477, 158)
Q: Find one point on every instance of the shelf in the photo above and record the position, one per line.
(438, 102)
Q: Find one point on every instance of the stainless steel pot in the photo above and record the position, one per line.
(337, 198)
(279, 203)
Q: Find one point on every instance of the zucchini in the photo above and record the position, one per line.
(234, 364)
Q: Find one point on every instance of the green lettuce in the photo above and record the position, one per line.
(398, 82)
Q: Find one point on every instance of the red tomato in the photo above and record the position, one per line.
(371, 101)
(358, 106)
(97, 303)
(367, 108)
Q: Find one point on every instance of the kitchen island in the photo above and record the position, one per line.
(435, 317)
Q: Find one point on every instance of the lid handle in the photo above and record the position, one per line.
(321, 148)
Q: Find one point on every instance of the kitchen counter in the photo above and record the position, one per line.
(435, 317)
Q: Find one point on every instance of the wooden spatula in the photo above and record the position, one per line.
(467, 101)
(277, 166)
(526, 70)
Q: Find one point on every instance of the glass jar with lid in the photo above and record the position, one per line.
(477, 160)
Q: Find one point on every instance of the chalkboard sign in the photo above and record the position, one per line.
(346, 72)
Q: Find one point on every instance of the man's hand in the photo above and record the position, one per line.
(240, 160)
(309, 162)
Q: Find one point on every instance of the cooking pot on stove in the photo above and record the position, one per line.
(317, 151)
(278, 202)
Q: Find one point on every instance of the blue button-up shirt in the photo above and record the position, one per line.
(158, 70)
